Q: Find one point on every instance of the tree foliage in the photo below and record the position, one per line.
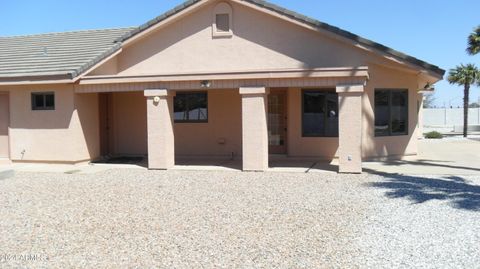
(474, 42)
(464, 75)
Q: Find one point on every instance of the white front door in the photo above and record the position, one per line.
(4, 122)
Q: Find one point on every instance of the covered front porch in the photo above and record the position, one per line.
(298, 123)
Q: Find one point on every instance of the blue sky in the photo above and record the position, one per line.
(432, 30)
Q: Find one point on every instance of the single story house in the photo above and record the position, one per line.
(235, 78)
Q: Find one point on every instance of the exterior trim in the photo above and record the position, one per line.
(253, 90)
(220, 84)
(94, 66)
(155, 92)
(253, 74)
(354, 88)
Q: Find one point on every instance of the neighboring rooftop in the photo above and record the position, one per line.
(60, 55)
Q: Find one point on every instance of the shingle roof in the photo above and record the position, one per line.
(303, 19)
(59, 55)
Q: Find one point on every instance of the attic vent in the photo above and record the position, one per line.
(222, 20)
(223, 23)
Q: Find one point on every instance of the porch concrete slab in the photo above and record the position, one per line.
(6, 174)
(276, 164)
(301, 166)
(449, 156)
(63, 168)
(286, 165)
(207, 164)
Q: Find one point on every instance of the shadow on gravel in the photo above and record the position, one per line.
(456, 190)
(434, 163)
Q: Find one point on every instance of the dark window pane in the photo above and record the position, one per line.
(332, 115)
(399, 112)
(49, 101)
(320, 113)
(197, 105)
(180, 107)
(313, 114)
(391, 112)
(191, 107)
(382, 113)
(38, 101)
(222, 22)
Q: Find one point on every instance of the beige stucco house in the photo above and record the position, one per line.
(230, 78)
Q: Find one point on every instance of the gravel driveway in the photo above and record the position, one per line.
(180, 219)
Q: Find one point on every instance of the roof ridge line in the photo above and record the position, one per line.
(70, 31)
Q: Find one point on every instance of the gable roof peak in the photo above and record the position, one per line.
(437, 71)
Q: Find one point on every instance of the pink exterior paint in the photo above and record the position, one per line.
(221, 136)
(350, 128)
(392, 146)
(129, 118)
(254, 128)
(4, 124)
(258, 43)
(161, 140)
(67, 134)
(324, 148)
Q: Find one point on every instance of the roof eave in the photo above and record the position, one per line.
(37, 79)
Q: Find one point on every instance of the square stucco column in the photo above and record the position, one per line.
(350, 128)
(161, 142)
(254, 128)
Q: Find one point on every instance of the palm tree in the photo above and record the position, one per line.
(465, 75)
(474, 42)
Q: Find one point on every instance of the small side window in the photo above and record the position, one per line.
(43, 101)
(222, 20)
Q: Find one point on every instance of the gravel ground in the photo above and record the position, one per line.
(180, 219)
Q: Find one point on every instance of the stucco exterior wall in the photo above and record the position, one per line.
(298, 146)
(86, 110)
(259, 42)
(221, 136)
(70, 133)
(4, 123)
(129, 123)
(326, 147)
(67, 134)
(382, 78)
